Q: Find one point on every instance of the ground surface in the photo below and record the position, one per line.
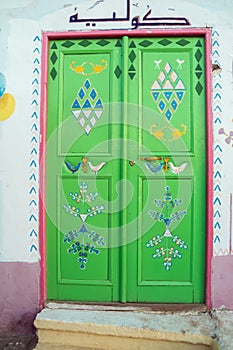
(18, 342)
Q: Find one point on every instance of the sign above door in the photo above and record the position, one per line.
(125, 14)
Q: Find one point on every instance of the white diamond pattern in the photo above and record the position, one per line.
(168, 91)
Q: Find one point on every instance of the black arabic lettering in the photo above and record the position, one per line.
(159, 21)
(75, 18)
(135, 22)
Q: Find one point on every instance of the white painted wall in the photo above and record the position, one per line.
(20, 59)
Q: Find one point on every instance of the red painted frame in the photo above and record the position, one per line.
(201, 32)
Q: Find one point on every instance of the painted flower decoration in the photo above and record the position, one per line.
(7, 101)
(229, 136)
(167, 246)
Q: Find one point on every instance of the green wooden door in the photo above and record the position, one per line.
(126, 170)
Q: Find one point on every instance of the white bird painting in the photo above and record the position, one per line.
(157, 63)
(180, 62)
(177, 169)
(95, 168)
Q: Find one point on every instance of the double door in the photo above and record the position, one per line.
(125, 178)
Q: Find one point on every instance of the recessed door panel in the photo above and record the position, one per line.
(168, 238)
(87, 85)
(82, 172)
(167, 77)
(167, 134)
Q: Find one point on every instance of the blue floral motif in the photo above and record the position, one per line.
(83, 242)
(167, 246)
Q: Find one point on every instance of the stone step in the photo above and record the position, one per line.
(91, 329)
(47, 346)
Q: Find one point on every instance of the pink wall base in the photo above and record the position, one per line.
(222, 286)
(19, 297)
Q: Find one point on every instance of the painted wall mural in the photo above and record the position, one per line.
(34, 141)
(7, 101)
(228, 136)
(217, 118)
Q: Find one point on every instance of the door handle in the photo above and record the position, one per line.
(150, 159)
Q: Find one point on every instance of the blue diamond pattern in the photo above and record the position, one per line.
(161, 105)
(168, 114)
(83, 229)
(98, 104)
(87, 84)
(155, 95)
(174, 104)
(76, 104)
(168, 94)
(93, 94)
(81, 93)
(180, 95)
(87, 104)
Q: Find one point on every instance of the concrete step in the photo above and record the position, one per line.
(67, 328)
(47, 346)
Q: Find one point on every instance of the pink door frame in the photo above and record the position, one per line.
(200, 32)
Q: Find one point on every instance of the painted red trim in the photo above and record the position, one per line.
(129, 32)
(209, 170)
(42, 169)
(204, 32)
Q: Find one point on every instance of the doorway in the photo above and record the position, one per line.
(126, 169)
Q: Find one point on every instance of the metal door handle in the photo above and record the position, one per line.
(150, 159)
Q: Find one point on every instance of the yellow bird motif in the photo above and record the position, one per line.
(88, 68)
(97, 68)
(163, 133)
(78, 69)
(178, 133)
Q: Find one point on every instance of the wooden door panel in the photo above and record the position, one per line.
(86, 96)
(87, 226)
(83, 170)
(168, 253)
(168, 90)
(169, 98)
